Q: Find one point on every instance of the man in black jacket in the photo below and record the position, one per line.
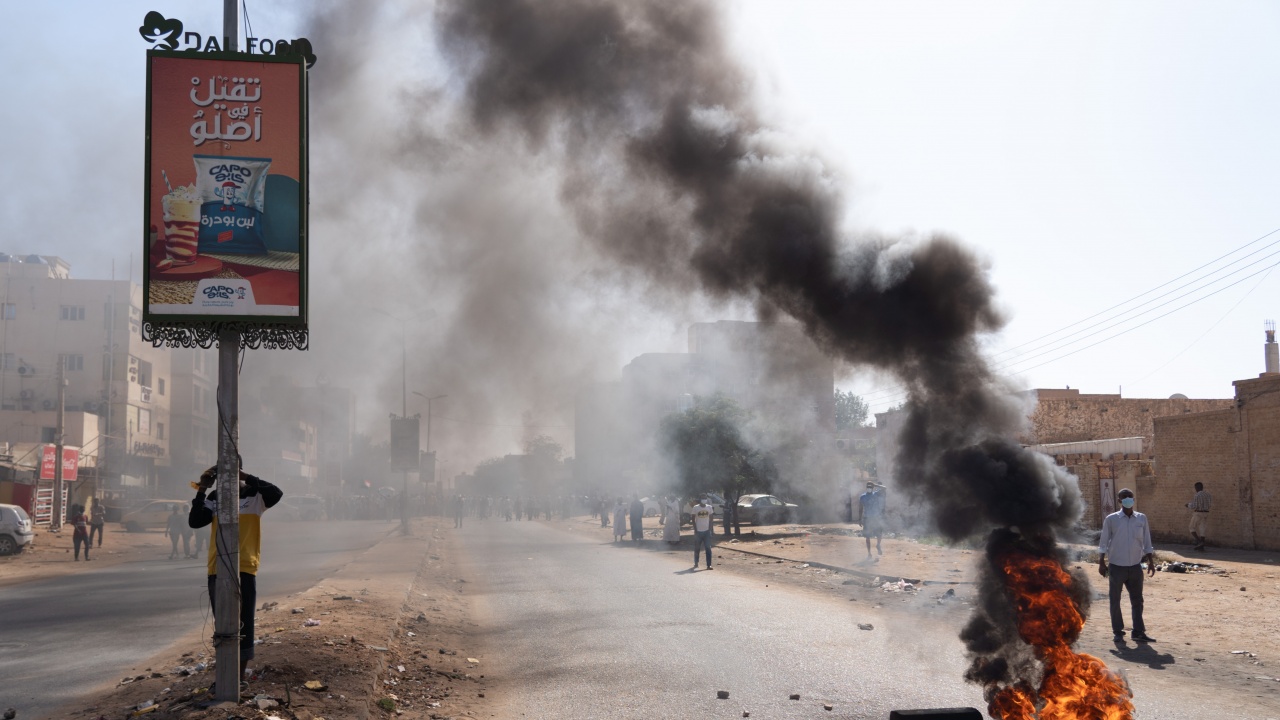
(256, 495)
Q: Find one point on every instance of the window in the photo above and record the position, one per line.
(10, 310)
(8, 361)
(159, 431)
(48, 435)
(160, 386)
(144, 373)
(144, 421)
(72, 363)
(197, 400)
(71, 312)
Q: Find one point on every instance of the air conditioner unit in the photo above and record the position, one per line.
(25, 369)
(48, 404)
(28, 394)
(146, 394)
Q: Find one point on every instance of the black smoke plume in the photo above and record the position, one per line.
(669, 168)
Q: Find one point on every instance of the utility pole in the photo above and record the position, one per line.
(226, 543)
(59, 512)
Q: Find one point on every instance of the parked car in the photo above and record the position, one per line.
(300, 507)
(652, 505)
(16, 531)
(765, 510)
(153, 514)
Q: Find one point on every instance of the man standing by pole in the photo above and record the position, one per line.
(255, 496)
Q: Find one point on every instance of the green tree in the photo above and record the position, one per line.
(851, 411)
(711, 453)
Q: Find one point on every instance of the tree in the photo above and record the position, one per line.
(851, 411)
(710, 452)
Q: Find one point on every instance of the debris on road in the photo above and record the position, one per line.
(866, 626)
(315, 686)
(722, 694)
(311, 622)
(795, 696)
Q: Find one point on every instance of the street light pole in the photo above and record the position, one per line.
(429, 399)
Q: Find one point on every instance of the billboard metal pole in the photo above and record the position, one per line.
(227, 542)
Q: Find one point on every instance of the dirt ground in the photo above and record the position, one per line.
(388, 643)
(403, 645)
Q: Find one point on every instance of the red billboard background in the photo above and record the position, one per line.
(70, 462)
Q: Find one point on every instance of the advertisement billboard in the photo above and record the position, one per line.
(225, 221)
(404, 444)
(70, 462)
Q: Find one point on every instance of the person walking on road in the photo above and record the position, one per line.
(97, 521)
(1126, 539)
(256, 497)
(1199, 507)
(871, 516)
(81, 535)
(459, 508)
(619, 520)
(637, 519)
(177, 527)
(703, 514)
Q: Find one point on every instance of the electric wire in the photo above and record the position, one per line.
(890, 394)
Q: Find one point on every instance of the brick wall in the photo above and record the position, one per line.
(1066, 416)
(1122, 473)
(1236, 454)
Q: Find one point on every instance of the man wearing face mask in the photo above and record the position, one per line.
(1126, 538)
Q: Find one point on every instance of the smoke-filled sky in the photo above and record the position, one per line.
(1089, 152)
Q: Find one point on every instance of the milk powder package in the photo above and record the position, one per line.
(231, 192)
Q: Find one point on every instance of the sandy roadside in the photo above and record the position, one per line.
(388, 630)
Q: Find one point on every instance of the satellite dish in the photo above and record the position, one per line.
(1178, 396)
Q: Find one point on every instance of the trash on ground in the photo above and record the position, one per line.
(311, 622)
(866, 626)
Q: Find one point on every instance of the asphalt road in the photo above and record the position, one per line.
(59, 638)
(583, 629)
(577, 628)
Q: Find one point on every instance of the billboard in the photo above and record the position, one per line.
(70, 462)
(404, 444)
(225, 195)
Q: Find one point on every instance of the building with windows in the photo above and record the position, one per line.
(117, 388)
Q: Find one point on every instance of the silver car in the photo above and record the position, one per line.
(15, 529)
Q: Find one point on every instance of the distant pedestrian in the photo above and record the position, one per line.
(1126, 538)
(1199, 507)
(637, 518)
(619, 520)
(871, 516)
(459, 509)
(81, 535)
(702, 514)
(177, 528)
(97, 521)
(603, 505)
(671, 519)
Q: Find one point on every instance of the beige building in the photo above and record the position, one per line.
(118, 388)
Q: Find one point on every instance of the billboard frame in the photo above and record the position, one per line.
(202, 330)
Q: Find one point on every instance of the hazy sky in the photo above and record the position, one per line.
(1091, 151)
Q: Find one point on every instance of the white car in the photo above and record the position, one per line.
(16, 531)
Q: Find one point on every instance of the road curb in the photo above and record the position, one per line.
(845, 570)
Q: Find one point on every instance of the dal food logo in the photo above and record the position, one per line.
(167, 34)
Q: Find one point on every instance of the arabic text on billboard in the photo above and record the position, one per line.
(226, 174)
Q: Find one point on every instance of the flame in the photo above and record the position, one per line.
(1074, 686)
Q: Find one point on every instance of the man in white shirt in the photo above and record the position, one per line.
(1126, 538)
(702, 516)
